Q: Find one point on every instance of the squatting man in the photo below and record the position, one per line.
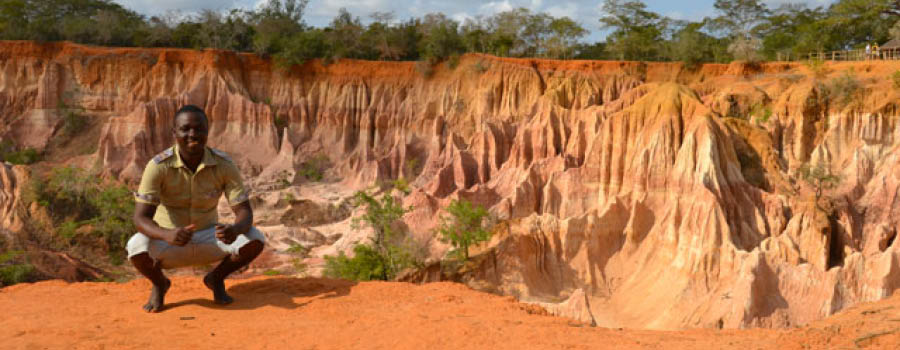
(176, 213)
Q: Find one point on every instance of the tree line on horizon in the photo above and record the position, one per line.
(742, 30)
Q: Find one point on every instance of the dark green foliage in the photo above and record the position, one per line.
(845, 89)
(365, 265)
(391, 250)
(464, 227)
(314, 168)
(480, 66)
(281, 122)
(25, 156)
(440, 38)
(636, 31)
(100, 22)
(73, 123)
(820, 178)
(761, 112)
(12, 272)
(692, 46)
(742, 29)
(78, 199)
(300, 47)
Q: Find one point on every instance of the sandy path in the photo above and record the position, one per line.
(291, 313)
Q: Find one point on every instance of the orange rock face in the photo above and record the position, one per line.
(631, 194)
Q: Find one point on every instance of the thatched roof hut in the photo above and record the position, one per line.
(893, 44)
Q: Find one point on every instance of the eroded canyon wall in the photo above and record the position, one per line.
(664, 197)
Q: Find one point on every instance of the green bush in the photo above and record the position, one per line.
(896, 79)
(22, 157)
(818, 69)
(453, 61)
(314, 168)
(73, 123)
(283, 179)
(845, 89)
(77, 198)
(12, 273)
(390, 252)
(761, 112)
(480, 67)
(281, 122)
(366, 264)
(463, 227)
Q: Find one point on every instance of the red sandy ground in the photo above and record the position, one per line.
(291, 313)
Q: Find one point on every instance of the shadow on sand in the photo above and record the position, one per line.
(278, 292)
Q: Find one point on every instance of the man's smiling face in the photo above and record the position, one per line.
(191, 130)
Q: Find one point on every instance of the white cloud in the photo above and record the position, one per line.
(496, 7)
(153, 7)
(569, 9)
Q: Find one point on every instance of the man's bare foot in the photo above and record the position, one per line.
(157, 297)
(217, 286)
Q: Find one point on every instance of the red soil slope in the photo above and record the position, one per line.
(291, 313)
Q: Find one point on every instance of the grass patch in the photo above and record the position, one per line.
(95, 212)
(760, 113)
(281, 122)
(480, 67)
(314, 168)
(846, 89)
(12, 272)
(22, 157)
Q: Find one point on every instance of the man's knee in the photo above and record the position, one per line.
(137, 244)
(255, 235)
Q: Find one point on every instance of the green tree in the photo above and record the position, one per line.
(345, 36)
(230, 32)
(820, 178)
(563, 38)
(464, 227)
(636, 32)
(739, 19)
(300, 47)
(391, 250)
(861, 21)
(275, 22)
(692, 46)
(793, 30)
(440, 37)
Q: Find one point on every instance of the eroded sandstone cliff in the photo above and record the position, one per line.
(644, 194)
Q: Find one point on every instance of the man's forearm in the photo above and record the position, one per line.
(243, 218)
(151, 229)
(243, 223)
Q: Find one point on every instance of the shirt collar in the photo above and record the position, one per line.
(208, 159)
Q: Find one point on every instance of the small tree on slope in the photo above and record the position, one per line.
(463, 227)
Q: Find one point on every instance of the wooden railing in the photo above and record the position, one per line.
(854, 55)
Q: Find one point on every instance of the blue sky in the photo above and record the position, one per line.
(320, 12)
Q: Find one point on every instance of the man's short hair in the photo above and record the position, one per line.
(191, 109)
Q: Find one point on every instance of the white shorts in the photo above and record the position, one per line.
(204, 248)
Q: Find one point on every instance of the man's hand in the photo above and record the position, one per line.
(182, 235)
(226, 233)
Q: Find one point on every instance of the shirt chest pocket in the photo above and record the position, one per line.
(206, 195)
